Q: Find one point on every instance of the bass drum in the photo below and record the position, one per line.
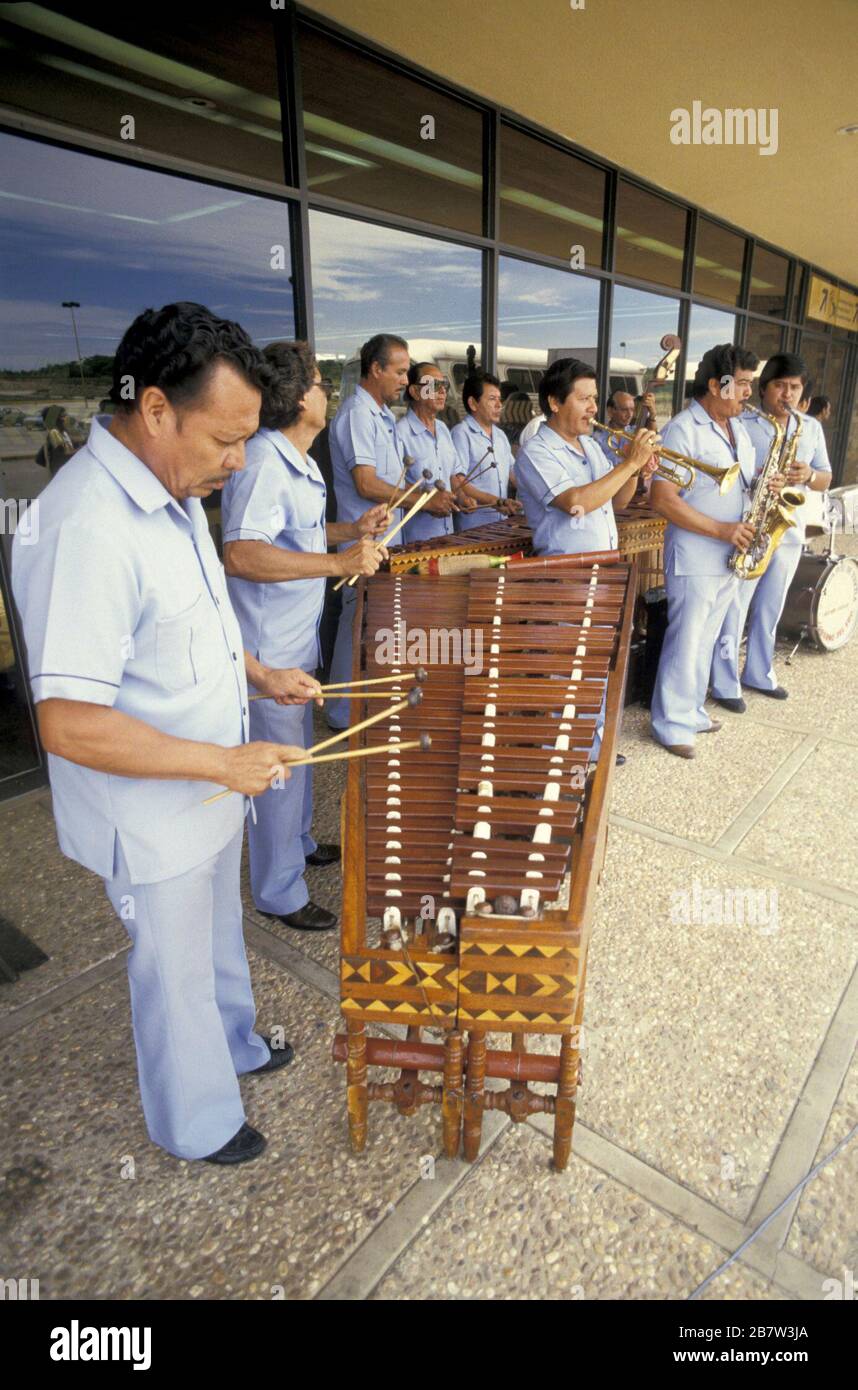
(822, 601)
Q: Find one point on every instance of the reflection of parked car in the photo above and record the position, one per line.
(34, 422)
(7, 654)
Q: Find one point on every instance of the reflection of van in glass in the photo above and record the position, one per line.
(522, 367)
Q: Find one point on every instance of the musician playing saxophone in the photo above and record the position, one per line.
(782, 384)
(704, 527)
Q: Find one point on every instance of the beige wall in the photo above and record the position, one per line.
(608, 77)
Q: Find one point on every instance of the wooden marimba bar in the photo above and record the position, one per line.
(469, 870)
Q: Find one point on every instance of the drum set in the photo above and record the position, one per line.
(822, 601)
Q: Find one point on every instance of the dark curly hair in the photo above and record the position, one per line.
(294, 372)
(719, 362)
(175, 348)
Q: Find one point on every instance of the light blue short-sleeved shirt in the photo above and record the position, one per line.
(545, 468)
(474, 446)
(124, 603)
(364, 433)
(278, 498)
(437, 452)
(811, 449)
(694, 433)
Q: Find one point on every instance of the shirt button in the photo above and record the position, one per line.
(234, 657)
(244, 711)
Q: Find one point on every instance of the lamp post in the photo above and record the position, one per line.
(73, 304)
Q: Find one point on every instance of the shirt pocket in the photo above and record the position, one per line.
(186, 646)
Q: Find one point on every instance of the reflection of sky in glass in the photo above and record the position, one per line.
(639, 322)
(121, 239)
(707, 327)
(369, 279)
(539, 307)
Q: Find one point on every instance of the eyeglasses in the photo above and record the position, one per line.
(325, 385)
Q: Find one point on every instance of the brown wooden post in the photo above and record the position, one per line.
(474, 1097)
(451, 1105)
(357, 1093)
(564, 1115)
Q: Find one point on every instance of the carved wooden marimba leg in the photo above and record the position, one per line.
(474, 1095)
(357, 1093)
(564, 1114)
(451, 1105)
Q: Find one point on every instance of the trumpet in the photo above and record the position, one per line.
(677, 468)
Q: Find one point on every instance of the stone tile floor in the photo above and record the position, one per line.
(720, 1030)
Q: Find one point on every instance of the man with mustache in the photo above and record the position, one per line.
(140, 682)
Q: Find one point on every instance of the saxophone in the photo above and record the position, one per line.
(770, 514)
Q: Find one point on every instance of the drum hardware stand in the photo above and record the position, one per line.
(831, 517)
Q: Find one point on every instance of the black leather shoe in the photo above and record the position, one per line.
(323, 855)
(246, 1144)
(621, 760)
(777, 694)
(310, 917)
(736, 706)
(280, 1057)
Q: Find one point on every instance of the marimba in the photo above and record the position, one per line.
(470, 870)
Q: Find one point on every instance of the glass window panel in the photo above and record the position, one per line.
(814, 351)
(113, 239)
(549, 201)
(369, 279)
(768, 283)
(18, 752)
(763, 339)
(639, 322)
(365, 127)
(833, 388)
(197, 84)
(850, 463)
(718, 260)
(543, 314)
(706, 328)
(650, 237)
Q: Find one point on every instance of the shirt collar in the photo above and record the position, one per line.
(417, 426)
(474, 424)
(291, 453)
(130, 472)
(556, 441)
(361, 393)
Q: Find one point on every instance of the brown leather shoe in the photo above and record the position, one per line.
(713, 727)
(680, 750)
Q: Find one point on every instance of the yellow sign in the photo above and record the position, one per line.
(832, 304)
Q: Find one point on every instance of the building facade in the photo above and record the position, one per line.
(309, 184)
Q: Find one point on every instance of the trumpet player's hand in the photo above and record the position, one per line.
(640, 450)
(251, 768)
(738, 534)
(777, 483)
(291, 686)
(799, 473)
(363, 558)
(373, 522)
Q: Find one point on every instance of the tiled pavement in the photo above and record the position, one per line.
(719, 1067)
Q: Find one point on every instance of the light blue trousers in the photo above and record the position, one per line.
(191, 1000)
(280, 840)
(696, 605)
(760, 601)
(338, 712)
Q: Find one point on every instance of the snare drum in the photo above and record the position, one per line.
(822, 601)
